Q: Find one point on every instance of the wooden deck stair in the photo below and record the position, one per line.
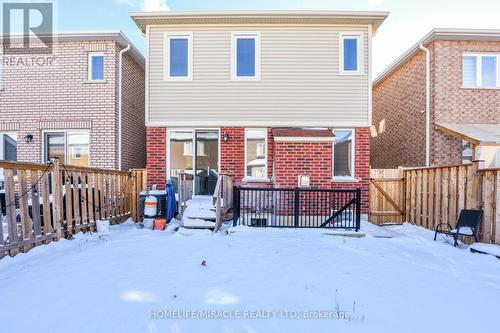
(203, 212)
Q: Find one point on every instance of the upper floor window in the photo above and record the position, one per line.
(480, 70)
(350, 54)
(178, 56)
(245, 63)
(96, 67)
(343, 154)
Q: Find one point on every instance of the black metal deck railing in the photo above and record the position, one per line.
(297, 208)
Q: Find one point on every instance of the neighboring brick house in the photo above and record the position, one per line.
(66, 104)
(277, 95)
(464, 102)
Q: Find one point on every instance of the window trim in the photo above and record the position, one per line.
(479, 71)
(89, 66)
(234, 38)
(266, 156)
(359, 37)
(353, 157)
(166, 55)
(65, 132)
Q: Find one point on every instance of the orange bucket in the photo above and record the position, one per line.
(159, 224)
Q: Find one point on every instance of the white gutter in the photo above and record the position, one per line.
(427, 102)
(120, 65)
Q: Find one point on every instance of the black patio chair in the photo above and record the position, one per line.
(467, 225)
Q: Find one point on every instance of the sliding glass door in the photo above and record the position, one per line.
(196, 153)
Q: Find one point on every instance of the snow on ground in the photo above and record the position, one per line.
(129, 283)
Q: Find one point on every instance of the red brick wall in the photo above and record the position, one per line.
(400, 97)
(286, 160)
(232, 158)
(398, 102)
(292, 159)
(156, 156)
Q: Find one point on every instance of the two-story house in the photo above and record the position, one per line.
(439, 103)
(83, 101)
(269, 97)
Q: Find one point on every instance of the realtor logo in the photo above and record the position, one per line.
(28, 20)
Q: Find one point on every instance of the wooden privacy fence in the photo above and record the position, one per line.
(433, 195)
(42, 203)
(437, 195)
(387, 196)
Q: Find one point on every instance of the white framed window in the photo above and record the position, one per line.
(71, 147)
(344, 154)
(96, 66)
(350, 53)
(467, 152)
(256, 153)
(178, 56)
(480, 70)
(245, 56)
(8, 146)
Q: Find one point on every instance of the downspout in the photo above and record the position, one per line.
(427, 103)
(120, 67)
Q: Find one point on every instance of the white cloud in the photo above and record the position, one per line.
(376, 2)
(153, 5)
(146, 5)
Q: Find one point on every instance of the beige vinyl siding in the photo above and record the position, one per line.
(300, 83)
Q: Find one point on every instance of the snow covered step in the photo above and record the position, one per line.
(197, 224)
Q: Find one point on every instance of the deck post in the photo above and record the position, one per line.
(296, 208)
(358, 209)
(236, 205)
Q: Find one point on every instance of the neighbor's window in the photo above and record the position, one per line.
(178, 56)
(246, 56)
(480, 71)
(256, 153)
(8, 147)
(343, 154)
(200, 148)
(350, 54)
(96, 67)
(467, 152)
(70, 147)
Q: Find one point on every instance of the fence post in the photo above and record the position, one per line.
(296, 208)
(358, 209)
(57, 198)
(236, 205)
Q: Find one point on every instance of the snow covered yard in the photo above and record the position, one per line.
(265, 280)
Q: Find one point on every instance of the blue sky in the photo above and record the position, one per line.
(409, 19)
